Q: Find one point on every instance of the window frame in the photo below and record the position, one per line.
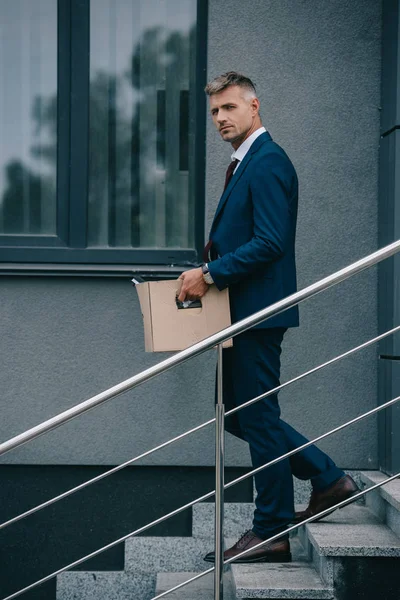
(68, 246)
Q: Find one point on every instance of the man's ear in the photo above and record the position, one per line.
(255, 105)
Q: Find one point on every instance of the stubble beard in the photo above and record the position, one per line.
(236, 139)
(232, 136)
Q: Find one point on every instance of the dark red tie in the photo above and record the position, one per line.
(229, 173)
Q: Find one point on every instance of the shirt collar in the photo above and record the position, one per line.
(243, 149)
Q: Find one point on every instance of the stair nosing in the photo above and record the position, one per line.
(374, 477)
(390, 549)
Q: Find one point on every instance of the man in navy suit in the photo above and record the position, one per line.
(252, 252)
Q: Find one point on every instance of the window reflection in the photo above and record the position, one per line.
(28, 116)
(141, 103)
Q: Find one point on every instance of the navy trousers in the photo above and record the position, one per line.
(251, 368)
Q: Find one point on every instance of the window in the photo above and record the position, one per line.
(28, 110)
(102, 114)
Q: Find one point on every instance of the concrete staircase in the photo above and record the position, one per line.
(352, 555)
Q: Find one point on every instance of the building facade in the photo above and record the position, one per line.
(109, 165)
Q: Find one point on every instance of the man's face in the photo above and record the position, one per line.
(233, 114)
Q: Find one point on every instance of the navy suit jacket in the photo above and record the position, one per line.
(253, 234)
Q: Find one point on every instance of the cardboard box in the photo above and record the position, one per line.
(169, 328)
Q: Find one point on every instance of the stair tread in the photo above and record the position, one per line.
(237, 517)
(297, 579)
(279, 580)
(201, 589)
(166, 554)
(353, 531)
(389, 492)
(113, 585)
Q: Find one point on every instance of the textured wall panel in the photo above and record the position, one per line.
(317, 70)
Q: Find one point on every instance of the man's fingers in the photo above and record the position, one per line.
(179, 292)
(192, 285)
(182, 294)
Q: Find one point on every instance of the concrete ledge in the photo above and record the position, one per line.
(353, 531)
(393, 519)
(389, 492)
(297, 579)
(238, 518)
(75, 585)
(166, 554)
(201, 589)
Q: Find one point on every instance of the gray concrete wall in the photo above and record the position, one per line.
(389, 230)
(317, 69)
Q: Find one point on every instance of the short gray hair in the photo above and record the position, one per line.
(220, 83)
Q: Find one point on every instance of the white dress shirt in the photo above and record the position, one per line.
(243, 149)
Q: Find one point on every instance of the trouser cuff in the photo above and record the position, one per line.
(326, 479)
(265, 534)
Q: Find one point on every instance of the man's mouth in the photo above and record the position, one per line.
(226, 127)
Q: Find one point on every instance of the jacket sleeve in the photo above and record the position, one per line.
(270, 187)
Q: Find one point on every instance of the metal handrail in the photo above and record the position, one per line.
(315, 517)
(181, 436)
(200, 347)
(179, 358)
(206, 497)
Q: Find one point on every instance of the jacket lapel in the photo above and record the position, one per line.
(264, 137)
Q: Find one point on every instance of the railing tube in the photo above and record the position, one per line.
(219, 483)
(200, 347)
(315, 517)
(201, 499)
(181, 436)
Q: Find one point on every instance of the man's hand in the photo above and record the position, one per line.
(193, 285)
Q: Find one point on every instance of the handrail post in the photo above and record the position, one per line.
(219, 483)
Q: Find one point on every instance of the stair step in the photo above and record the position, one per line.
(163, 554)
(238, 516)
(286, 580)
(384, 501)
(389, 492)
(353, 531)
(201, 589)
(297, 579)
(104, 585)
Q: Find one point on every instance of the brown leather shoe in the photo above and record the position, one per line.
(340, 490)
(277, 551)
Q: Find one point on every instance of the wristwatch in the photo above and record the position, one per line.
(206, 274)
